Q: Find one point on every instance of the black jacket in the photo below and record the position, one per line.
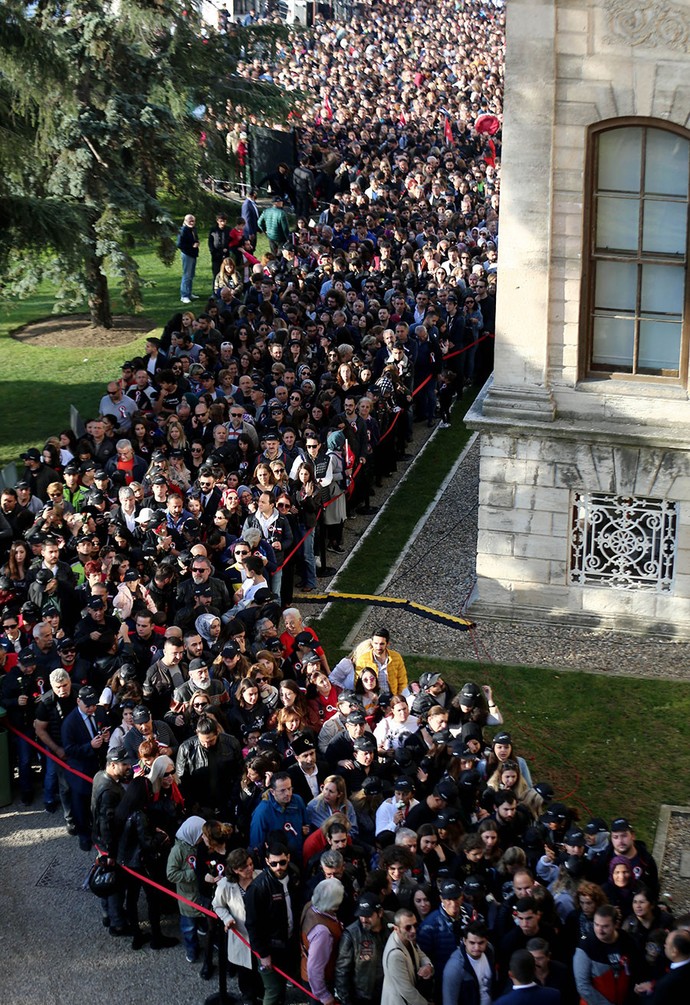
(267, 919)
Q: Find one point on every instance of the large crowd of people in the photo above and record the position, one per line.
(382, 832)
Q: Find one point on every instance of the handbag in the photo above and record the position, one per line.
(103, 878)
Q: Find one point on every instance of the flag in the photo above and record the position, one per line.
(327, 105)
(490, 155)
(448, 132)
(402, 118)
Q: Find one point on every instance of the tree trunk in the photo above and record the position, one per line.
(98, 293)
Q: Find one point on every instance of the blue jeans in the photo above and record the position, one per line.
(308, 558)
(189, 935)
(188, 270)
(55, 785)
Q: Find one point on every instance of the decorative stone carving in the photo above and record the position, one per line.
(648, 22)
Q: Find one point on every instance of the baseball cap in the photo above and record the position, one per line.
(198, 664)
(132, 576)
(95, 603)
(141, 714)
(230, 648)
(596, 826)
(27, 656)
(305, 639)
(402, 784)
(356, 718)
(502, 737)
(450, 889)
(366, 742)
(621, 824)
(144, 515)
(88, 695)
(31, 455)
(116, 755)
(575, 837)
(368, 904)
(428, 679)
(66, 643)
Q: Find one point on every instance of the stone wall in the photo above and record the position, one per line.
(548, 432)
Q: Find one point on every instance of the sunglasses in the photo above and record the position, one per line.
(259, 680)
(203, 704)
(169, 774)
(12, 624)
(199, 568)
(276, 865)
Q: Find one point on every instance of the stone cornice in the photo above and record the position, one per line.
(652, 23)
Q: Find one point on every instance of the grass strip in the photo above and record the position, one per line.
(370, 564)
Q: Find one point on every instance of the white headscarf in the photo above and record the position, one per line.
(190, 830)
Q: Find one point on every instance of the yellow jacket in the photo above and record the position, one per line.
(395, 669)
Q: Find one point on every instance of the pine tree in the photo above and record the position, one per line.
(103, 99)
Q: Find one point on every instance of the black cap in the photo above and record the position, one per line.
(473, 885)
(447, 789)
(203, 590)
(141, 714)
(555, 814)
(368, 903)
(44, 576)
(71, 468)
(450, 889)
(445, 818)
(31, 455)
(116, 755)
(198, 664)
(88, 695)
(366, 742)
(356, 718)
(95, 603)
(27, 656)
(575, 837)
(131, 576)
(263, 596)
(127, 672)
(621, 824)
(429, 678)
(230, 648)
(305, 639)
(303, 743)
(545, 790)
(596, 826)
(502, 737)
(66, 643)
(402, 784)
(191, 526)
(372, 785)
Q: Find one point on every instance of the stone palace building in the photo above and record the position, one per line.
(585, 427)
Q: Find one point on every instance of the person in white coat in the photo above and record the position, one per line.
(228, 903)
(404, 964)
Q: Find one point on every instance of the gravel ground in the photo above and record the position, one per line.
(674, 887)
(438, 569)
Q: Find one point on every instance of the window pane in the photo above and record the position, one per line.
(620, 159)
(663, 288)
(664, 227)
(617, 223)
(616, 288)
(613, 343)
(666, 166)
(659, 346)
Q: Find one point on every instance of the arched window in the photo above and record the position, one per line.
(635, 303)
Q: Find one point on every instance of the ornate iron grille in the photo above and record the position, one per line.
(623, 542)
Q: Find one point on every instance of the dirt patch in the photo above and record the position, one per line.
(69, 331)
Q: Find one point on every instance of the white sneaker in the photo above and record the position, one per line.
(195, 297)
(444, 425)
(185, 300)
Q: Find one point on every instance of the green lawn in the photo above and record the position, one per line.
(38, 384)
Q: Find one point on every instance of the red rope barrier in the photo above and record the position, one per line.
(146, 879)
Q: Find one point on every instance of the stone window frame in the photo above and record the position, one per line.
(591, 255)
